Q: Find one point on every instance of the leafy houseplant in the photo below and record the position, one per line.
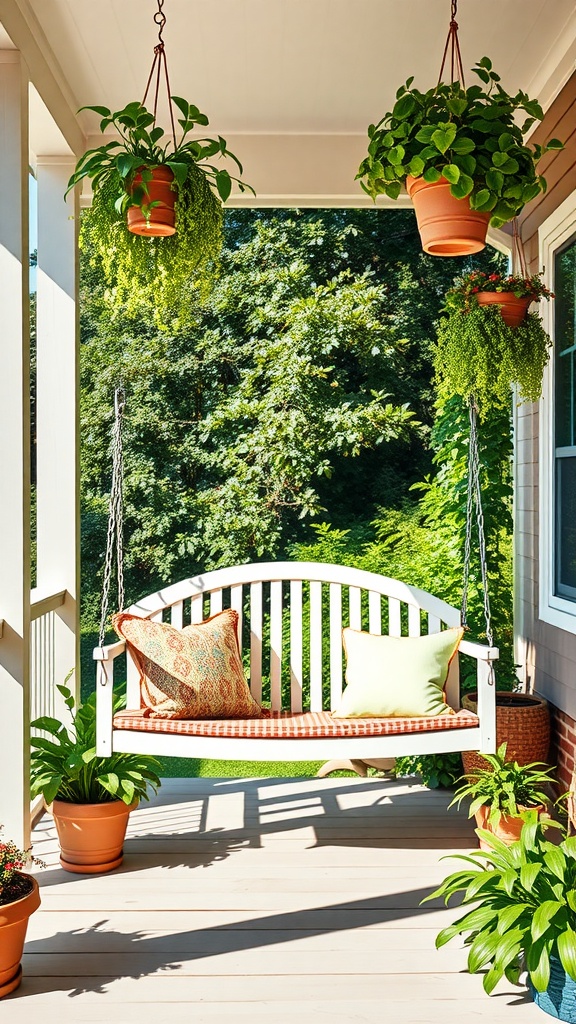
(501, 794)
(525, 915)
(464, 139)
(87, 793)
(19, 898)
(139, 177)
(480, 356)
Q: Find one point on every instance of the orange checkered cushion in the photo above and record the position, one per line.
(285, 725)
(195, 672)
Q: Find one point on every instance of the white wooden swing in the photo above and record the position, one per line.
(291, 616)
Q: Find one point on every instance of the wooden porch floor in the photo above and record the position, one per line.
(272, 899)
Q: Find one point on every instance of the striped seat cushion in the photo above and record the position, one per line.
(285, 725)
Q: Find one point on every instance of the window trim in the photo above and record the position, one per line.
(558, 229)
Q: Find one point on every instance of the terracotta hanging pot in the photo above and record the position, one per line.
(13, 924)
(448, 227)
(508, 828)
(91, 835)
(512, 308)
(161, 220)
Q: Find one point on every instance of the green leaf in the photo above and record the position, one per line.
(508, 915)
(393, 189)
(425, 133)
(543, 915)
(463, 187)
(538, 964)
(482, 950)
(463, 145)
(443, 137)
(567, 951)
(404, 106)
(494, 180)
(554, 144)
(396, 155)
(416, 166)
(431, 174)
(457, 106)
(528, 875)
(451, 173)
(505, 141)
(223, 184)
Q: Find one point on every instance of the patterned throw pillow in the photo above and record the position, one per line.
(195, 672)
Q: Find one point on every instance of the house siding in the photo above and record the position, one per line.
(546, 653)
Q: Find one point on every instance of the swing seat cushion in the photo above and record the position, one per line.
(289, 725)
(397, 676)
(195, 672)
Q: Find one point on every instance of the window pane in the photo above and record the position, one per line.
(566, 527)
(565, 338)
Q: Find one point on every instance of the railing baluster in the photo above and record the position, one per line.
(374, 613)
(237, 603)
(315, 646)
(256, 640)
(276, 645)
(355, 605)
(296, 645)
(335, 644)
(394, 617)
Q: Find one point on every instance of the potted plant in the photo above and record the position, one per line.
(462, 157)
(168, 195)
(522, 722)
(19, 898)
(502, 793)
(524, 916)
(512, 293)
(479, 356)
(90, 797)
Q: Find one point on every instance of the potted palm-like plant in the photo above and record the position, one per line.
(156, 213)
(90, 797)
(520, 915)
(462, 157)
(19, 898)
(503, 793)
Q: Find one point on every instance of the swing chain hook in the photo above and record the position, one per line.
(160, 20)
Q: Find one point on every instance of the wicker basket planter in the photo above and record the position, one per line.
(522, 722)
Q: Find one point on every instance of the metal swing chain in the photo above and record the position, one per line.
(115, 519)
(474, 497)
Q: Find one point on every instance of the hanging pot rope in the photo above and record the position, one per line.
(115, 518)
(452, 44)
(518, 249)
(160, 64)
(474, 502)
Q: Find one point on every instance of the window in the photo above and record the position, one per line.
(565, 421)
(557, 424)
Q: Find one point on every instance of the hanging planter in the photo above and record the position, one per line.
(157, 217)
(512, 308)
(447, 226)
(465, 140)
(155, 223)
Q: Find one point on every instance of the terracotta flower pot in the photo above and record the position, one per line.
(91, 835)
(513, 309)
(162, 219)
(508, 828)
(448, 227)
(13, 924)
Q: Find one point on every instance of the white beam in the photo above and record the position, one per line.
(57, 388)
(14, 450)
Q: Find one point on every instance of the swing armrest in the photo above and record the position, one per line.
(109, 652)
(105, 656)
(486, 688)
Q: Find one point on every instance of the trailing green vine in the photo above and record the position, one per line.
(163, 273)
(479, 355)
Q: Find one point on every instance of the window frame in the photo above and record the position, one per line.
(559, 611)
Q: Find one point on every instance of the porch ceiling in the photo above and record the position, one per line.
(293, 85)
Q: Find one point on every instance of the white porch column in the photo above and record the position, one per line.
(57, 384)
(14, 450)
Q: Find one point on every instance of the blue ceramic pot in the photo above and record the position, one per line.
(559, 999)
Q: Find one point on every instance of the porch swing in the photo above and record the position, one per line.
(289, 619)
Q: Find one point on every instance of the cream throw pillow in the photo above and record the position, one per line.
(397, 677)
